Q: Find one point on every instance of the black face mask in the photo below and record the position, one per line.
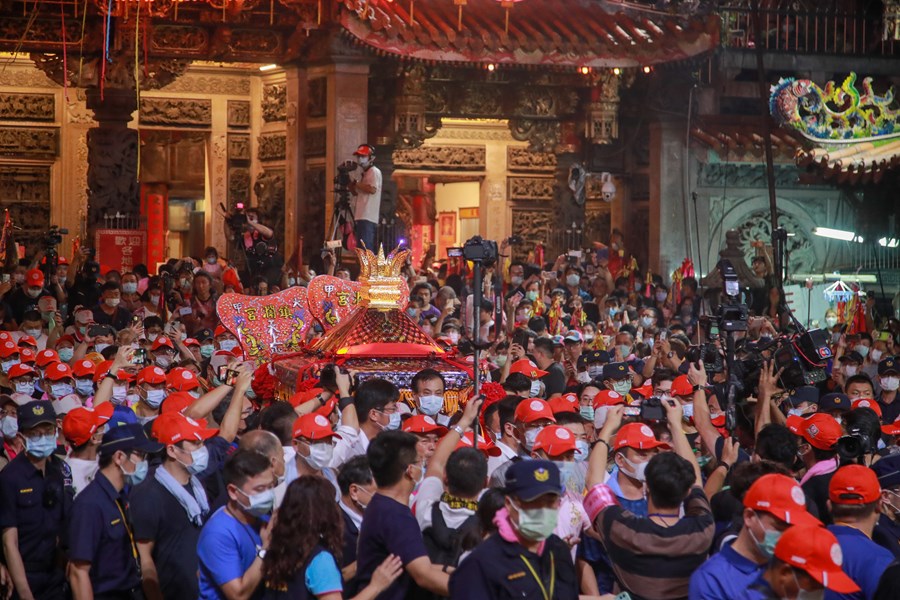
(252, 420)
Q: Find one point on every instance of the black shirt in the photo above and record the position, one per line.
(38, 505)
(816, 489)
(890, 412)
(158, 517)
(19, 302)
(119, 319)
(554, 380)
(887, 535)
(497, 570)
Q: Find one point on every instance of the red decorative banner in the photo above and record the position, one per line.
(154, 208)
(331, 300)
(120, 249)
(267, 326)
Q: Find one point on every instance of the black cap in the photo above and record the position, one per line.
(853, 356)
(32, 414)
(615, 371)
(834, 402)
(889, 366)
(888, 471)
(597, 356)
(203, 335)
(806, 393)
(128, 438)
(531, 479)
(537, 324)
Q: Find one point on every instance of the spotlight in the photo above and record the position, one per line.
(585, 70)
(491, 67)
(617, 71)
(647, 69)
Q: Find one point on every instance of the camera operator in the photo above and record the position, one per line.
(83, 274)
(368, 196)
(26, 297)
(255, 231)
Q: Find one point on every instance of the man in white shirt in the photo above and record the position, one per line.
(508, 442)
(368, 196)
(373, 410)
(83, 428)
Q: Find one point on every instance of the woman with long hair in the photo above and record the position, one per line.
(305, 550)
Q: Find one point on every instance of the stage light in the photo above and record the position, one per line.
(837, 234)
(265, 68)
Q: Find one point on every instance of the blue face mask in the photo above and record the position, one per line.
(140, 473)
(394, 423)
(587, 412)
(66, 354)
(767, 545)
(41, 446)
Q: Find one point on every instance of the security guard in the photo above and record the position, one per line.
(35, 502)
(524, 559)
(103, 556)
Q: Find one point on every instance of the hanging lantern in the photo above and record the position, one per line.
(602, 123)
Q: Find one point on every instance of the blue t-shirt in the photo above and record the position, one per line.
(388, 527)
(724, 576)
(636, 507)
(225, 550)
(759, 589)
(864, 562)
(323, 575)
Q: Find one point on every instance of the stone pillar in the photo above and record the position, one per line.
(296, 203)
(112, 156)
(669, 240)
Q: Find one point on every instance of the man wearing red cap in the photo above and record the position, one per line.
(367, 190)
(313, 441)
(169, 508)
(531, 416)
(773, 504)
(818, 434)
(26, 297)
(854, 493)
(83, 429)
(807, 560)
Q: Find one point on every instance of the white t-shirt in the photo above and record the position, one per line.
(506, 455)
(430, 492)
(353, 442)
(83, 472)
(368, 206)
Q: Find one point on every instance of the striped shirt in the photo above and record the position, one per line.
(651, 561)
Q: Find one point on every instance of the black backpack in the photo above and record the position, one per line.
(446, 545)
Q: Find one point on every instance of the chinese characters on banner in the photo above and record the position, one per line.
(154, 208)
(121, 249)
(267, 326)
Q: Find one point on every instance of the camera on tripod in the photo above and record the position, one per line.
(477, 249)
(342, 179)
(53, 237)
(237, 219)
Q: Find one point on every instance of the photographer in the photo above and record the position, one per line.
(368, 196)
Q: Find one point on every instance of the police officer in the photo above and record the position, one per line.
(35, 501)
(524, 559)
(103, 555)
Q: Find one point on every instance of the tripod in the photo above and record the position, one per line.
(341, 216)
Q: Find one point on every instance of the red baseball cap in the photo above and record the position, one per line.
(527, 368)
(646, 389)
(820, 430)
(781, 496)
(5, 335)
(101, 369)
(151, 375)
(313, 427)
(889, 429)
(81, 423)
(608, 398)
(565, 403)
(8, 348)
(84, 368)
(174, 427)
(63, 340)
(555, 440)
(423, 425)
(19, 370)
(162, 341)
(854, 484)
(27, 340)
(191, 342)
(867, 403)
(176, 402)
(46, 357)
(682, 386)
(58, 371)
(35, 278)
(638, 436)
(364, 150)
(182, 380)
(27, 355)
(816, 551)
(326, 409)
(486, 446)
(304, 396)
(532, 409)
(220, 329)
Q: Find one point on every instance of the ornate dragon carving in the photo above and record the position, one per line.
(176, 111)
(523, 159)
(272, 147)
(27, 107)
(274, 102)
(29, 141)
(470, 158)
(531, 188)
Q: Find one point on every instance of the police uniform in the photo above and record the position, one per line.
(499, 569)
(100, 531)
(37, 504)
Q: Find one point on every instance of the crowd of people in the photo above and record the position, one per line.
(144, 457)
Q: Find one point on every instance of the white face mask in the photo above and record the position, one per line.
(35, 333)
(638, 470)
(320, 455)
(536, 388)
(876, 355)
(112, 302)
(890, 384)
(129, 288)
(531, 436)
(850, 370)
(430, 405)
(863, 350)
(830, 321)
(228, 345)
(688, 410)
(583, 377)
(119, 393)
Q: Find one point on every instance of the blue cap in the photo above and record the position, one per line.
(888, 471)
(615, 371)
(128, 438)
(34, 413)
(832, 402)
(531, 479)
(806, 393)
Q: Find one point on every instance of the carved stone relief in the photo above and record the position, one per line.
(269, 189)
(25, 191)
(523, 159)
(534, 226)
(195, 83)
(745, 175)
(185, 39)
(315, 142)
(799, 249)
(112, 173)
(274, 102)
(314, 190)
(19, 77)
(175, 111)
(441, 157)
(238, 113)
(542, 136)
(238, 147)
(318, 97)
(272, 147)
(238, 185)
(531, 188)
(29, 142)
(27, 107)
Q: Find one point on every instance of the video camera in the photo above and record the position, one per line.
(342, 179)
(53, 237)
(477, 249)
(803, 358)
(713, 361)
(236, 219)
(854, 445)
